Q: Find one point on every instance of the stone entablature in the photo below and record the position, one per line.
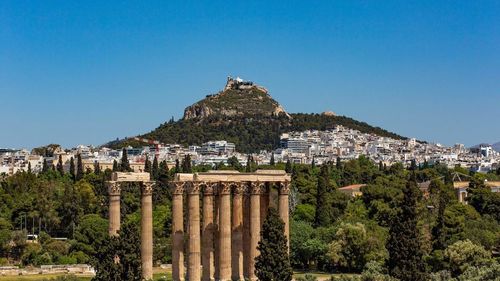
(235, 176)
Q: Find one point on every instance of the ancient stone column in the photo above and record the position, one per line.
(237, 233)
(207, 245)
(246, 230)
(264, 201)
(194, 258)
(114, 190)
(177, 232)
(147, 230)
(284, 190)
(255, 190)
(225, 232)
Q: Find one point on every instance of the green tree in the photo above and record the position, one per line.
(123, 248)
(271, 162)
(97, 168)
(79, 167)
(60, 167)
(124, 163)
(115, 166)
(72, 168)
(324, 199)
(405, 253)
(45, 166)
(288, 166)
(147, 165)
(273, 262)
(155, 173)
(186, 164)
(463, 254)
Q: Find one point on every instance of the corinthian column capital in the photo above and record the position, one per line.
(194, 188)
(225, 188)
(239, 188)
(177, 188)
(256, 187)
(284, 188)
(209, 188)
(114, 187)
(147, 188)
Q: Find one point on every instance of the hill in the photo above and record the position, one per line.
(496, 146)
(245, 114)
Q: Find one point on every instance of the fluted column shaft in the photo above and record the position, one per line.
(208, 250)
(237, 234)
(114, 190)
(284, 190)
(194, 258)
(254, 227)
(225, 232)
(177, 232)
(147, 230)
(246, 232)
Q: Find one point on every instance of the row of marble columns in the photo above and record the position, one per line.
(114, 191)
(225, 247)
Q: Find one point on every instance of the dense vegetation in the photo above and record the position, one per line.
(391, 230)
(249, 133)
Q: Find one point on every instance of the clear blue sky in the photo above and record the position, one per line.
(87, 72)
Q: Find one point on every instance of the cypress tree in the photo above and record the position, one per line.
(186, 164)
(288, 166)
(248, 168)
(405, 253)
(45, 166)
(115, 166)
(79, 167)
(163, 171)
(125, 165)
(272, 159)
(338, 164)
(324, 204)
(155, 172)
(29, 167)
(273, 263)
(177, 166)
(60, 167)
(313, 164)
(72, 168)
(97, 168)
(147, 165)
(380, 166)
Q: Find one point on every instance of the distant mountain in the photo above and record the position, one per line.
(244, 113)
(496, 146)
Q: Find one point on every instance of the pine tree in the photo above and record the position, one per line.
(288, 166)
(45, 166)
(79, 167)
(147, 165)
(273, 263)
(115, 166)
(271, 162)
(60, 167)
(324, 207)
(125, 165)
(72, 168)
(405, 253)
(97, 168)
(155, 169)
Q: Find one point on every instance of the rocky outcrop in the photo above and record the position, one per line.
(239, 98)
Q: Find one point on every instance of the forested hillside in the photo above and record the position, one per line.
(249, 133)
